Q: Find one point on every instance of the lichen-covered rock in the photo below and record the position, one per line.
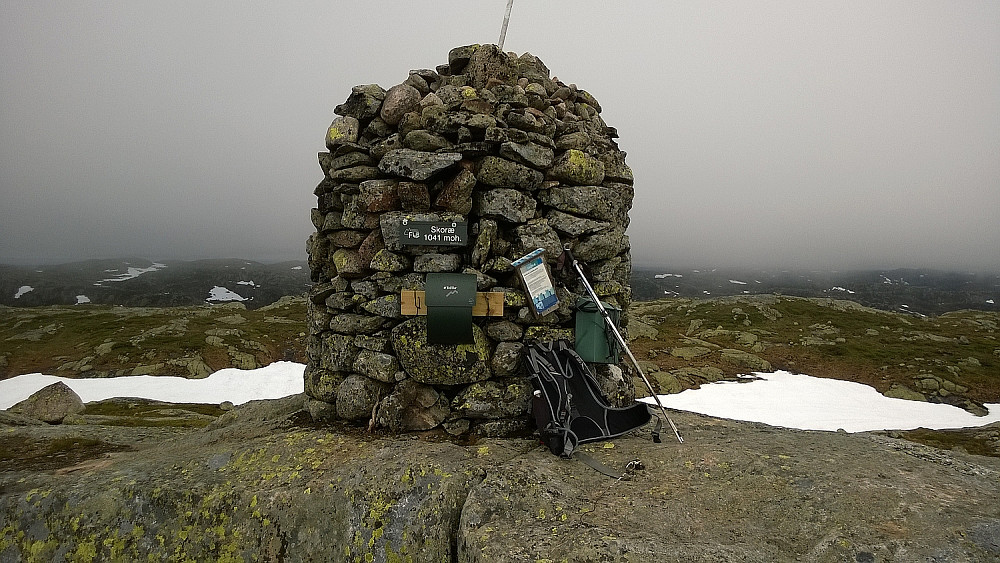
(51, 403)
(436, 263)
(358, 395)
(414, 196)
(504, 331)
(338, 352)
(399, 100)
(507, 358)
(496, 398)
(743, 359)
(424, 140)
(529, 154)
(576, 167)
(502, 173)
(322, 384)
(412, 407)
(506, 204)
(596, 202)
(437, 364)
(417, 165)
(347, 263)
(342, 130)
(575, 226)
(258, 485)
(363, 104)
(386, 261)
(377, 365)
(456, 195)
(349, 323)
(378, 195)
(386, 306)
(601, 246)
(619, 391)
(537, 233)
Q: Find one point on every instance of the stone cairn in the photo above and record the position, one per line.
(527, 162)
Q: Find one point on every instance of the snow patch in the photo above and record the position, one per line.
(250, 283)
(812, 403)
(277, 380)
(838, 288)
(738, 282)
(779, 398)
(990, 301)
(219, 293)
(81, 299)
(661, 276)
(296, 267)
(133, 273)
(22, 290)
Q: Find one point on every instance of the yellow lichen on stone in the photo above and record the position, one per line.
(332, 134)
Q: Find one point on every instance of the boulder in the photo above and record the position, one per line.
(399, 100)
(506, 358)
(342, 130)
(417, 165)
(358, 395)
(745, 360)
(506, 204)
(363, 104)
(537, 233)
(412, 407)
(436, 263)
(510, 398)
(595, 202)
(503, 173)
(435, 364)
(50, 404)
(529, 154)
(576, 167)
(456, 195)
(257, 484)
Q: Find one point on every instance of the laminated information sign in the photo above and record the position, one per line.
(536, 280)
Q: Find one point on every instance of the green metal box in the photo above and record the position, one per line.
(450, 298)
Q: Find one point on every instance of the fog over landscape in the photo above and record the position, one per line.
(769, 134)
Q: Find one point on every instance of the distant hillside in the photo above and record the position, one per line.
(142, 283)
(925, 292)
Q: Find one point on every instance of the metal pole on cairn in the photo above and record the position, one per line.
(506, 20)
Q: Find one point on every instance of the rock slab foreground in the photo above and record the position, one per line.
(264, 484)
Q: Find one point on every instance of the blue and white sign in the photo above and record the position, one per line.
(536, 280)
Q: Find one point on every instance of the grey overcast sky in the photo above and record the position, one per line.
(795, 134)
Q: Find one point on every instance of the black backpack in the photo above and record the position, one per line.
(568, 406)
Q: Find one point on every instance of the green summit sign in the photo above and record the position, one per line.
(435, 233)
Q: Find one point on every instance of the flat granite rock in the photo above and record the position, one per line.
(261, 484)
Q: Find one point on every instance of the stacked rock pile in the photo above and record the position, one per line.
(489, 139)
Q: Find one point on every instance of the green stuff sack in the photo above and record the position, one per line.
(595, 342)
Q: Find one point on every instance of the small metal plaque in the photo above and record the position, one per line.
(434, 233)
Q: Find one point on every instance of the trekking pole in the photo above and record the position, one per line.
(621, 340)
